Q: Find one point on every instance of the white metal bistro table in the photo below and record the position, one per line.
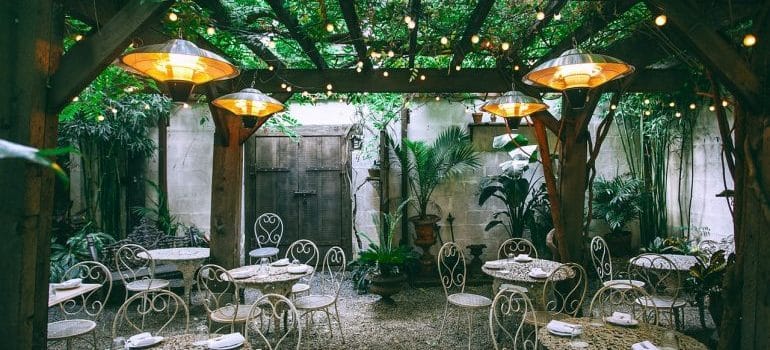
(186, 259)
(185, 342)
(518, 273)
(609, 336)
(63, 295)
(279, 281)
(682, 262)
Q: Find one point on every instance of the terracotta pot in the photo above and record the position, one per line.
(477, 117)
(385, 286)
(424, 229)
(492, 118)
(619, 243)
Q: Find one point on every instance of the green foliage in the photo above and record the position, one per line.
(671, 245)
(707, 276)
(617, 201)
(159, 212)
(386, 257)
(429, 165)
(74, 249)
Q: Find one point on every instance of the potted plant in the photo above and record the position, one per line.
(512, 189)
(475, 114)
(617, 202)
(385, 261)
(705, 281)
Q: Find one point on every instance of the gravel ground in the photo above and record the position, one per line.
(411, 323)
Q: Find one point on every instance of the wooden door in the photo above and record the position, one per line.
(306, 183)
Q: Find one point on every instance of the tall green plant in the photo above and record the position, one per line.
(512, 189)
(386, 256)
(159, 212)
(617, 201)
(429, 165)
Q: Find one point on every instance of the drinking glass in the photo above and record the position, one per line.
(574, 340)
(596, 318)
(119, 343)
(263, 270)
(201, 333)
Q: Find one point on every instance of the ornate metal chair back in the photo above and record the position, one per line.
(150, 311)
(91, 304)
(271, 307)
(659, 274)
(516, 246)
(609, 299)
(565, 290)
(306, 252)
(333, 269)
(451, 268)
(218, 289)
(131, 266)
(268, 230)
(506, 321)
(600, 256)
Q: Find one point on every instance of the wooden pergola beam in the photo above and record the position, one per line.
(720, 56)
(415, 10)
(553, 7)
(292, 24)
(479, 80)
(88, 58)
(354, 29)
(462, 47)
(589, 27)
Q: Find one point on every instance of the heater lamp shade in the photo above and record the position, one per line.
(577, 69)
(178, 60)
(249, 102)
(514, 104)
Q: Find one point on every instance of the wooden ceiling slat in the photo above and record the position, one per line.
(297, 33)
(464, 46)
(354, 29)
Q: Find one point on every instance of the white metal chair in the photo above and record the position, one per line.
(506, 322)
(137, 273)
(563, 294)
(330, 282)
(150, 311)
(602, 260)
(271, 307)
(82, 313)
(609, 299)
(268, 231)
(512, 247)
(452, 271)
(221, 297)
(307, 253)
(663, 283)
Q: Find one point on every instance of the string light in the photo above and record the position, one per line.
(725, 103)
(329, 86)
(391, 53)
(100, 118)
(78, 37)
(185, 106)
(358, 69)
(329, 27)
(505, 46)
(475, 39)
(407, 19)
(749, 40)
(457, 67)
(444, 40)
(75, 99)
(211, 31)
(423, 77)
(360, 64)
(305, 94)
(146, 106)
(114, 110)
(540, 15)
(438, 98)
(646, 101)
(712, 108)
(270, 68)
(678, 115)
(411, 25)
(283, 85)
(557, 16)
(661, 20)
(288, 89)
(172, 17)
(328, 93)
(385, 74)
(647, 112)
(516, 67)
(671, 104)
(692, 106)
(613, 107)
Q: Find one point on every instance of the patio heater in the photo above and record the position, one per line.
(576, 71)
(513, 106)
(250, 104)
(179, 65)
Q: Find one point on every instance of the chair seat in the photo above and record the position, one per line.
(542, 317)
(513, 287)
(265, 252)
(623, 284)
(469, 300)
(313, 302)
(147, 284)
(660, 302)
(69, 328)
(225, 314)
(299, 288)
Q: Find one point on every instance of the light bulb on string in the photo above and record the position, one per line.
(146, 106)
(475, 38)
(385, 74)
(411, 25)
(329, 86)
(661, 20)
(505, 46)
(407, 19)
(100, 118)
(646, 101)
(725, 103)
(678, 114)
(283, 85)
(360, 64)
(540, 15)
(613, 107)
(288, 89)
(692, 106)
(423, 77)
(647, 112)
(270, 68)
(516, 67)
(444, 40)
(114, 110)
(391, 53)
(557, 16)
(438, 98)
(712, 108)
(749, 40)
(211, 31)
(75, 99)
(305, 94)
(329, 27)
(457, 67)
(328, 93)
(172, 17)
(671, 104)
(358, 69)
(78, 37)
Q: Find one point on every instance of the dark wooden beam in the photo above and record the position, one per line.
(553, 7)
(291, 23)
(609, 11)
(475, 22)
(415, 10)
(720, 56)
(354, 28)
(88, 58)
(639, 50)
(438, 81)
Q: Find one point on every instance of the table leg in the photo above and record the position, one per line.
(188, 272)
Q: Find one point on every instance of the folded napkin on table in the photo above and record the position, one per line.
(142, 340)
(621, 316)
(242, 273)
(564, 327)
(281, 262)
(226, 341)
(537, 272)
(645, 345)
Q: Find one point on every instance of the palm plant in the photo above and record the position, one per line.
(387, 257)
(429, 165)
(617, 201)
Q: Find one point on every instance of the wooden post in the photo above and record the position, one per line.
(31, 40)
(404, 179)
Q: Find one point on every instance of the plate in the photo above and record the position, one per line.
(280, 263)
(522, 260)
(537, 276)
(234, 346)
(494, 265)
(297, 269)
(155, 341)
(624, 323)
(565, 334)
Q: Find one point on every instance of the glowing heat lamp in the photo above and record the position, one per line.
(179, 64)
(249, 104)
(514, 104)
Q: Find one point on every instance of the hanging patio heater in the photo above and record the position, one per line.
(250, 104)
(514, 105)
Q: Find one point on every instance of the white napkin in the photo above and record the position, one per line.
(242, 273)
(537, 272)
(226, 341)
(142, 340)
(281, 262)
(72, 283)
(297, 269)
(621, 316)
(522, 257)
(645, 345)
(493, 264)
(564, 327)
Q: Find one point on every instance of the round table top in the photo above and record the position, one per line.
(277, 275)
(185, 341)
(177, 254)
(681, 261)
(615, 337)
(519, 271)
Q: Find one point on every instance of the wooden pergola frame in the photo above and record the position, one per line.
(40, 81)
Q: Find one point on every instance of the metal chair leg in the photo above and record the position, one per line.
(339, 323)
(443, 321)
